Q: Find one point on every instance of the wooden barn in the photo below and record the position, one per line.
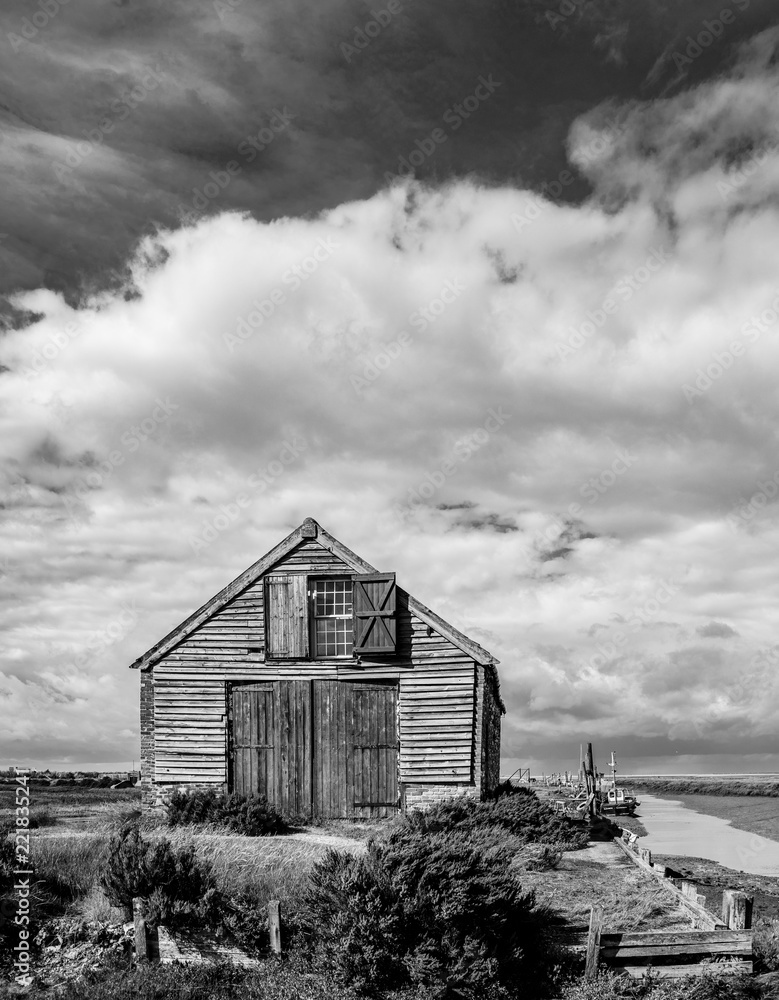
(318, 682)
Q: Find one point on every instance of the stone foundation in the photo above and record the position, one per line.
(147, 739)
(424, 796)
(159, 795)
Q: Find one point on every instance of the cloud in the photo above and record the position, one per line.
(716, 630)
(550, 461)
(118, 118)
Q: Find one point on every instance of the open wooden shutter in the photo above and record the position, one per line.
(286, 617)
(375, 627)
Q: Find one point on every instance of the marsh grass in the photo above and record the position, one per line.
(69, 862)
(68, 866)
(630, 901)
(262, 868)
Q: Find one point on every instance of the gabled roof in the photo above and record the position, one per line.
(309, 529)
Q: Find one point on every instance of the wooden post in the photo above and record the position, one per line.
(645, 854)
(274, 925)
(591, 771)
(139, 918)
(593, 943)
(737, 910)
(147, 945)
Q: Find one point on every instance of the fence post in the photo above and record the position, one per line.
(737, 910)
(645, 854)
(274, 925)
(593, 943)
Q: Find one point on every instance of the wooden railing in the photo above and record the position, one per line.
(716, 944)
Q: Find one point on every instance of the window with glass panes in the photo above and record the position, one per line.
(332, 607)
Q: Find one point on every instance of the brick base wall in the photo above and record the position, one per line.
(160, 794)
(424, 796)
(147, 739)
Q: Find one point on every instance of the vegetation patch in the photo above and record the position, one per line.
(768, 786)
(429, 909)
(520, 813)
(250, 815)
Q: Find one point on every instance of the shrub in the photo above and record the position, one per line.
(250, 815)
(112, 980)
(429, 909)
(539, 858)
(602, 828)
(766, 944)
(524, 816)
(172, 880)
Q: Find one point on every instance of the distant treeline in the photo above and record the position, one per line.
(41, 781)
(707, 786)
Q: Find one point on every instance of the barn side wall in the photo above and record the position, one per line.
(441, 704)
(491, 719)
(147, 738)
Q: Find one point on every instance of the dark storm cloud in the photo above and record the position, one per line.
(118, 117)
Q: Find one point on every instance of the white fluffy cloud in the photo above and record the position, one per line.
(556, 424)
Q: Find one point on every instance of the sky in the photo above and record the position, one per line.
(489, 292)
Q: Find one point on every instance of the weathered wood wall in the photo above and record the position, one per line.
(436, 686)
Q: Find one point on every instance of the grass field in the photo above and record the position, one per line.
(70, 845)
(719, 784)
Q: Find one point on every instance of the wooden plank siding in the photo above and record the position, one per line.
(436, 688)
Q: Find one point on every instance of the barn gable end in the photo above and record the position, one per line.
(427, 711)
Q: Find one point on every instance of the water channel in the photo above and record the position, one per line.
(675, 829)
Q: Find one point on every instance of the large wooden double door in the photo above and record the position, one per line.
(316, 747)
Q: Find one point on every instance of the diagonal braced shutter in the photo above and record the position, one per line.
(375, 629)
(286, 617)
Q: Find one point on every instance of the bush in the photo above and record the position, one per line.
(180, 890)
(250, 815)
(173, 881)
(766, 944)
(424, 909)
(524, 816)
(112, 980)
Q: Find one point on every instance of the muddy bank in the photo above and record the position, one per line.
(712, 878)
